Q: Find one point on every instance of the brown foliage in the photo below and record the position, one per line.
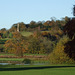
(16, 45)
(70, 45)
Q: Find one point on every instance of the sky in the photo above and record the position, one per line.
(15, 11)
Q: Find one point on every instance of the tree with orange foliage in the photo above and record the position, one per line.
(15, 45)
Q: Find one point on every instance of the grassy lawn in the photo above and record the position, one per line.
(37, 70)
(24, 33)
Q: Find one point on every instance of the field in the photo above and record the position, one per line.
(26, 33)
(35, 58)
(37, 70)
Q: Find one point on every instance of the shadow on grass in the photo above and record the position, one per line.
(31, 68)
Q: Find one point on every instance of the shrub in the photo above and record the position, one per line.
(1, 48)
(26, 61)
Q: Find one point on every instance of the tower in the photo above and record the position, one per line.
(18, 27)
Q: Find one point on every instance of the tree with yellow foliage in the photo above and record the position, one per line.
(58, 55)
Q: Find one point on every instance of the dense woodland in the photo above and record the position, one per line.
(47, 37)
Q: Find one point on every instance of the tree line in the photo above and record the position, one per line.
(48, 37)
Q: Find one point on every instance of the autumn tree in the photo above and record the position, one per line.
(34, 46)
(32, 24)
(13, 29)
(16, 45)
(22, 26)
(40, 45)
(58, 55)
(66, 19)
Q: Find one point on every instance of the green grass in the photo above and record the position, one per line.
(11, 59)
(24, 33)
(36, 54)
(4, 54)
(37, 70)
(34, 61)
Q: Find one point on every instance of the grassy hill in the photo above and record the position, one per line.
(24, 33)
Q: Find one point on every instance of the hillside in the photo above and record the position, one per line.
(25, 33)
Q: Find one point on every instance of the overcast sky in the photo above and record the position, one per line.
(14, 11)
